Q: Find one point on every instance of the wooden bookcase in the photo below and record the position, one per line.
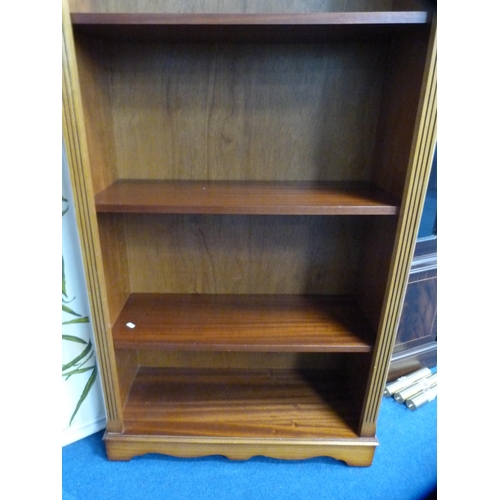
(248, 186)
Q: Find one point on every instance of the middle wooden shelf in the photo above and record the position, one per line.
(245, 197)
(216, 322)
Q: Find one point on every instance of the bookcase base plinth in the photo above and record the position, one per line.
(355, 452)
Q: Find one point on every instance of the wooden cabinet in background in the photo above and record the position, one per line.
(248, 180)
(416, 339)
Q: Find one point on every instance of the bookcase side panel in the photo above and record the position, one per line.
(94, 76)
(406, 64)
(78, 162)
(115, 262)
(419, 166)
(95, 70)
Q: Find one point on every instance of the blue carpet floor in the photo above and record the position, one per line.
(404, 468)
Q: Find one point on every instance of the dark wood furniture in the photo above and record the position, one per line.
(248, 187)
(416, 339)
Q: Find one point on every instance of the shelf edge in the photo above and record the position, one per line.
(316, 18)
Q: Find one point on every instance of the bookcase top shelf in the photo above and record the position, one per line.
(332, 18)
(316, 26)
(245, 197)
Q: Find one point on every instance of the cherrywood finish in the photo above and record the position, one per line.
(294, 19)
(406, 60)
(249, 27)
(241, 323)
(250, 360)
(268, 111)
(418, 171)
(239, 6)
(356, 452)
(240, 254)
(394, 143)
(127, 365)
(374, 266)
(271, 112)
(114, 256)
(239, 403)
(243, 411)
(75, 140)
(270, 198)
(97, 101)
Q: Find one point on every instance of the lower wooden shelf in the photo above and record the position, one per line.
(288, 414)
(232, 402)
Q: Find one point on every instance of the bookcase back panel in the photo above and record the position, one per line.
(227, 6)
(248, 360)
(243, 254)
(245, 111)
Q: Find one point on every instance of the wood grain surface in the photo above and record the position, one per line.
(252, 403)
(225, 111)
(241, 323)
(353, 451)
(236, 6)
(271, 198)
(268, 91)
(258, 19)
(242, 254)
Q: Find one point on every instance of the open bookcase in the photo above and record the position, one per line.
(248, 186)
